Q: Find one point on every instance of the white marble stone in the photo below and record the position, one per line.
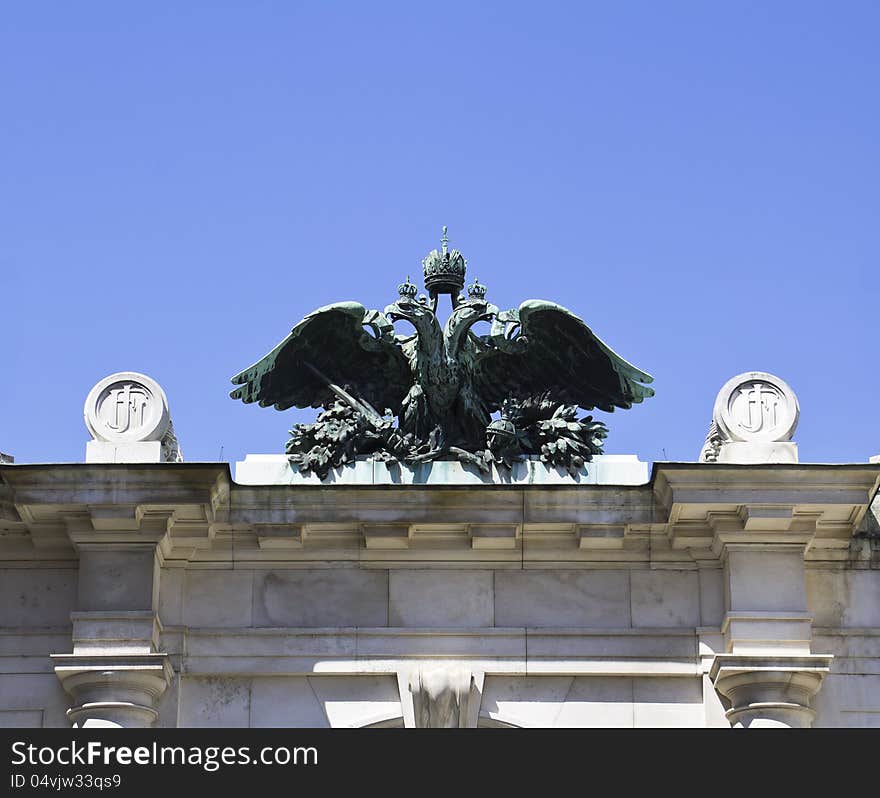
(766, 602)
(321, 597)
(769, 689)
(753, 421)
(440, 695)
(137, 452)
(285, 703)
(609, 469)
(128, 418)
(758, 453)
(862, 607)
(592, 598)
(172, 585)
(713, 709)
(594, 701)
(168, 704)
(528, 702)
(846, 598)
(765, 580)
(757, 407)
(116, 632)
(357, 701)
(558, 633)
(127, 407)
(214, 701)
(116, 579)
(711, 596)
(115, 690)
(664, 702)
(37, 597)
(665, 598)
(500, 645)
(434, 598)
(556, 649)
(218, 598)
(848, 701)
(25, 694)
(21, 718)
(597, 702)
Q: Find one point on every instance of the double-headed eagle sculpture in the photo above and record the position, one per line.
(431, 394)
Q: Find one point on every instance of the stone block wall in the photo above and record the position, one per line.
(165, 594)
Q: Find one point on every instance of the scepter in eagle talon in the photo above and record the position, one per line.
(442, 384)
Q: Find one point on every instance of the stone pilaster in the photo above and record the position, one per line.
(116, 673)
(767, 675)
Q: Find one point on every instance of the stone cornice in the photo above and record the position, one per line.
(117, 484)
(686, 511)
(767, 484)
(715, 506)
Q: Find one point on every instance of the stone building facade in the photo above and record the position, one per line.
(701, 594)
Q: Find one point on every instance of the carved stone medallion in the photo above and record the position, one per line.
(756, 407)
(127, 407)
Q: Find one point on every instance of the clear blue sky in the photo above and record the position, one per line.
(182, 182)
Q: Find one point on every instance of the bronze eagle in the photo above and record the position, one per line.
(432, 393)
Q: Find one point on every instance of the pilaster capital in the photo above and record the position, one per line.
(769, 691)
(113, 690)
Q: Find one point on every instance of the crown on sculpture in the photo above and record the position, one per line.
(444, 270)
(477, 290)
(407, 290)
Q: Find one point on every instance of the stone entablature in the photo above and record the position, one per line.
(457, 605)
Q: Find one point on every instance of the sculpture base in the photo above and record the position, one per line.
(756, 453)
(134, 452)
(606, 469)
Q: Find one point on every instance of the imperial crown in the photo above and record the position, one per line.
(407, 290)
(477, 290)
(444, 270)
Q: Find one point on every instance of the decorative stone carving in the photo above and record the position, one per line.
(712, 446)
(113, 691)
(753, 421)
(767, 691)
(441, 697)
(170, 447)
(127, 407)
(127, 415)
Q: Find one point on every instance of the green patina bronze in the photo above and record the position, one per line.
(432, 394)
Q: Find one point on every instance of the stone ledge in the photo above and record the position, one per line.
(608, 469)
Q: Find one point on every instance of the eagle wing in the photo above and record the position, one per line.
(549, 349)
(332, 343)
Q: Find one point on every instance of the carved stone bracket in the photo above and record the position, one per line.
(441, 697)
(769, 691)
